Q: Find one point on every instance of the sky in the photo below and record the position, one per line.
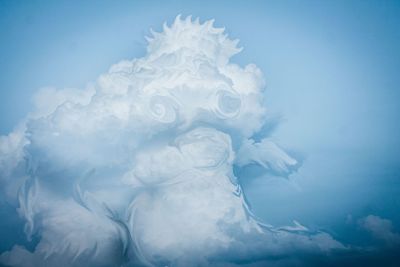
(331, 73)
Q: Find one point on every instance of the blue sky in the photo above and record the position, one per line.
(332, 74)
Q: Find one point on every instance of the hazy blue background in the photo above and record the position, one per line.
(332, 72)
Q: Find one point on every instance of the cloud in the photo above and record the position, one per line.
(381, 229)
(137, 169)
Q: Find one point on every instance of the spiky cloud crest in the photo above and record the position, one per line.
(195, 39)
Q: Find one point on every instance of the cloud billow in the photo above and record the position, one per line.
(137, 169)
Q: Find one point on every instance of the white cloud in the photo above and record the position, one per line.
(138, 168)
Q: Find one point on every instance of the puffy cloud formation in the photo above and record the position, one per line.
(137, 169)
(381, 229)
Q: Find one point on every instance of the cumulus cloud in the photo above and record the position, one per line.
(137, 169)
(381, 229)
